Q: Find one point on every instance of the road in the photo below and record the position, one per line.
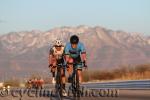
(123, 90)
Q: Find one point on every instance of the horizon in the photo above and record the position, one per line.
(147, 35)
(129, 16)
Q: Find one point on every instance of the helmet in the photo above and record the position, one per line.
(58, 42)
(74, 39)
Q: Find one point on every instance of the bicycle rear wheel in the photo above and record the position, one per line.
(58, 85)
(77, 84)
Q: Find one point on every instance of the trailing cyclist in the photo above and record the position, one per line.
(56, 57)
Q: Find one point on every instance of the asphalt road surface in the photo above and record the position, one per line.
(124, 90)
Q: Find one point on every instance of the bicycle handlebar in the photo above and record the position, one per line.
(77, 63)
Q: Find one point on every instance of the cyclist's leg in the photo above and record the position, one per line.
(53, 69)
(63, 77)
(70, 68)
(62, 72)
(79, 72)
(79, 67)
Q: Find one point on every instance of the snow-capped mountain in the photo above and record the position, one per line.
(22, 51)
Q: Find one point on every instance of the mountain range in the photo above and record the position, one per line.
(27, 51)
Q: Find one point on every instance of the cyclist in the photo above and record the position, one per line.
(75, 53)
(56, 57)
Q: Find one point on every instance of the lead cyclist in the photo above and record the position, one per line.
(75, 53)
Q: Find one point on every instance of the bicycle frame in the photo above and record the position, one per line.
(58, 84)
(75, 82)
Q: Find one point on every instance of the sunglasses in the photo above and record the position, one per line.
(57, 46)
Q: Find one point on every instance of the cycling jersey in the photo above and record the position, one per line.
(74, 52)
(57, 54)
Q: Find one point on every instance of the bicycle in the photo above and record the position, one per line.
(75, 84)
(58, 85)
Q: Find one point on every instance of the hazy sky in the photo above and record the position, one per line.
(127, 15)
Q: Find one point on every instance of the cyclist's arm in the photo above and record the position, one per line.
(50, 56)
(83, 55)
(66, 53)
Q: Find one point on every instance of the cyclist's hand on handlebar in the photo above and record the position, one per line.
(68, 64)
(85, 65)
(85, 68)
(50, 65)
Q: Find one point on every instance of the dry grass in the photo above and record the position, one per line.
(123, 73)
(14, 83)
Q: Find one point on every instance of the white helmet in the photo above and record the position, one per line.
(58, 42)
